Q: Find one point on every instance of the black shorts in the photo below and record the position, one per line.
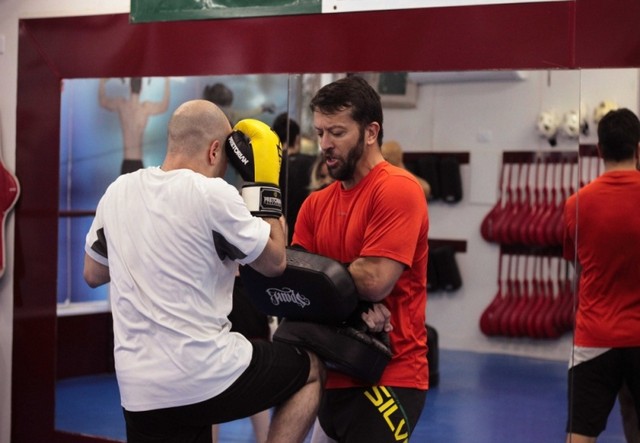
(594, 386)
(376, 414)
(275, 373)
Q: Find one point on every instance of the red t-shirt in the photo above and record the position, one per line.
(385, 215)
(603, 221)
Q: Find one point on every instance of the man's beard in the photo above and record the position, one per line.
(345, 171)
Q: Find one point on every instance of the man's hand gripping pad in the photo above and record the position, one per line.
(312, 288)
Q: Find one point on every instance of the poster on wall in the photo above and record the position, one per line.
(168, 10)
(115, 126)
(174, 10)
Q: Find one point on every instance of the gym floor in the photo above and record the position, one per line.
(480, 398)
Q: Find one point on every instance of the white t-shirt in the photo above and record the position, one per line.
(170, 289)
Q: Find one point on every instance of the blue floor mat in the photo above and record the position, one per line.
(481, 398)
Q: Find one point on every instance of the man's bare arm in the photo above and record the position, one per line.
(273, 260)
(375, 277)
(106, 102)
(95, 274)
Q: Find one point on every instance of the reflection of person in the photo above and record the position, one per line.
(296, 169)
(392, 152)
(606, 350)
(169, 239)
(133, 115)
(363, 219)
(222, 96)
(320, 176)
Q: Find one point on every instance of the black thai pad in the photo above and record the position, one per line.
(312, 288)
(342, 348)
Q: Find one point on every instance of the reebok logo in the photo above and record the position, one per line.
(237, 151)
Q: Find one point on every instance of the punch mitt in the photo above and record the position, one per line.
(342, 348)
(312, 288)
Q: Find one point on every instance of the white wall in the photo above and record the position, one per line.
(482, 118)
(10, 12)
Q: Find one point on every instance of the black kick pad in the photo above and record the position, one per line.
(312, 288)
(342, 348)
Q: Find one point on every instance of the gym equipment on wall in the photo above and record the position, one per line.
(443, 265)
(535, 296)
(9, 195)
(531, 195)
(441, 170)
(443, 273)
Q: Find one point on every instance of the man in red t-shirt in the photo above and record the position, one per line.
(602, 235)
(373, 218)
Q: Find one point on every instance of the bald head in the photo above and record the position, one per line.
(195, 125)
(392, 152)
(196, 136)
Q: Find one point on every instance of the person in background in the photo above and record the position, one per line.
(606, 346)
(222, 96)
(169, 240)
(134, 115)
(320, 176)
(373, 217)
(392, 152)
(296, 169)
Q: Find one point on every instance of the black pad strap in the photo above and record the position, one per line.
(342, 348)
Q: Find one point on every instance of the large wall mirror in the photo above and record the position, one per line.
(490, 120)
(526, 153)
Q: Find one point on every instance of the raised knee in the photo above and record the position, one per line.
(317, 371)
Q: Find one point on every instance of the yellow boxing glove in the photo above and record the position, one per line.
(254, 150)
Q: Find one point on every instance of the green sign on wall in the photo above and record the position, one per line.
(171, 10)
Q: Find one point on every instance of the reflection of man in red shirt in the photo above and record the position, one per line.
(374, 217)
(602, 235)
(134, 115)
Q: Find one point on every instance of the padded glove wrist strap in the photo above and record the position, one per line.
(263, 200)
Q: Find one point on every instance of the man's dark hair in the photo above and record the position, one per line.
(354, 93)
(219, 94)
(618, 135)
(136, 85)
(286, 128)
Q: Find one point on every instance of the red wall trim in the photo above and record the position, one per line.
(609, 33)
(520, 36)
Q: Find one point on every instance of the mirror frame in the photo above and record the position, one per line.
(576, 34)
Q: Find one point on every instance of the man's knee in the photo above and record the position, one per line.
(317, 371)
